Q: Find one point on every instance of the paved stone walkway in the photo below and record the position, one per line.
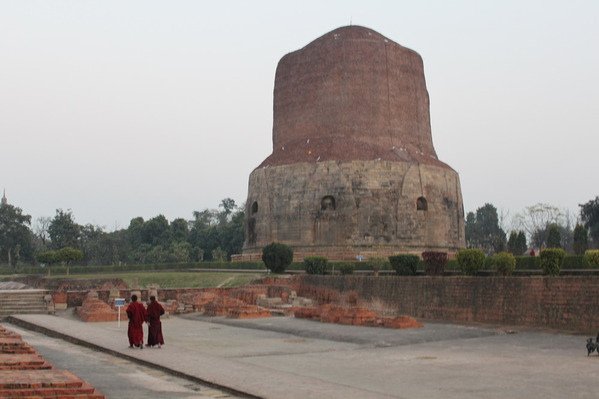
(289, 358)
(112, 376)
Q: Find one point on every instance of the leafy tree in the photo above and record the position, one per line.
(63, 230)
(516, 244)
(521, 245)
(196, 254)
(180, 252)
(232, 233)
(135, 231)
(535, 219)
(483, 231)
(15, 235)
(157, 254)
(90, 242)
(541, 237)
(47, 257)
(179, 230)
(140, 254)
(553, 237)
(228, 206)
(581, 242)
(589, 214)
(219, 255)
(68, 255)
(41, 229)
(156, 231)
(223, 229)
(512, 243)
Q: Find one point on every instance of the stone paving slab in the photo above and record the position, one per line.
(116, 377)
(363, 335)
(196, 362)
(304, 359)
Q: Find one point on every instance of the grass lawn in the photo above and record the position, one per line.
(174, 279)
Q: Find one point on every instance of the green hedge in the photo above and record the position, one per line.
(503, 263)
(574, 262)
(346, 268)
(527, 263)
(470, 260)
(591, 258)
(82, 269)
(522, 263)
(404, 265)
(434, 262)
(277, 257)
(315, 264)
(551, 260)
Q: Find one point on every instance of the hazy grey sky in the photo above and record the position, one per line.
(117, 109)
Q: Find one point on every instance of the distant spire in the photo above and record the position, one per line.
(4, 200)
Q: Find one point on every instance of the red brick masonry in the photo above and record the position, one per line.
(567, 303)
(25, 374)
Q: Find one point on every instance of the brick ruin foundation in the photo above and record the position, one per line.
(563, 303)
(26, 374)
(268, 297)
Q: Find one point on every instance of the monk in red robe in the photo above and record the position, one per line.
(155, 310)
(137, 315)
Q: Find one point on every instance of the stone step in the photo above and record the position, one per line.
(20, 302)
(23, 300)
(16, 309)
(23, 309)
(12, 300)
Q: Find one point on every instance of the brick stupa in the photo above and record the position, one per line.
(353, 168)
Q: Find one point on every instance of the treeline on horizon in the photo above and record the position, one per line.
(216, 234)
(212, 234)
(537, 227)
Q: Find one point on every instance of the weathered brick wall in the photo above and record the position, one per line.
(566, 303)
(75, 298)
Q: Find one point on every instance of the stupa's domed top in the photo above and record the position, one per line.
(351, 94)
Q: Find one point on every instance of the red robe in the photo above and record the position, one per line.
(137, 315)
(155, 310)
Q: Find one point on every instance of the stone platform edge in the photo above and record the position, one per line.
(81, 342)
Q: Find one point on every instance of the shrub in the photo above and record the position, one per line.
(47, 257)
(377, 264)
(591, 257)
(504, 263)
(277, 257)
(527, 263)
(470, 260)
(315, 264)
(346, 268)
(434, 262)
(404, 265)
(574, 262)
(451, 264)
(551, 260)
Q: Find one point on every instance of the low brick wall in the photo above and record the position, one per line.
(75, 298)
(568, 303)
